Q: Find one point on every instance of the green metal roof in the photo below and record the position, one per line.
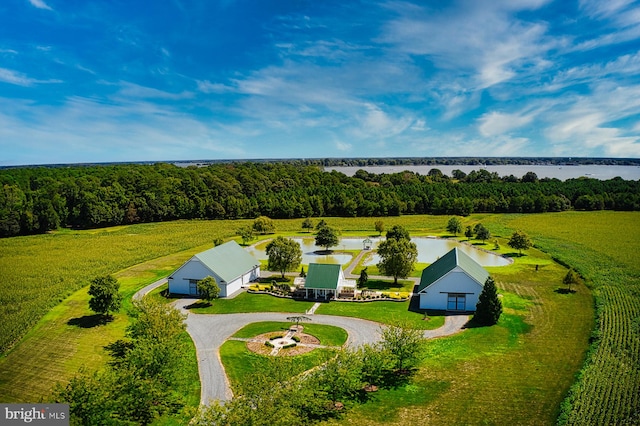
(229, 261)
(322, 275)
(447, 263)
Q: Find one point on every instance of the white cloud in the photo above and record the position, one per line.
(483, 39)
(20, 79)
(343, 146)
(40, 4)
(205, 86)
(594, 123)
(497, 123)
(131, 90)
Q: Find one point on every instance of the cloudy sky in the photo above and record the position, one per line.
(134, 80)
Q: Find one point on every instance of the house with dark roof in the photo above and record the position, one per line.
(325, 281)
(452, 283)
(229, 264)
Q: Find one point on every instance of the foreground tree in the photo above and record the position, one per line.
(404, 344)
(208, 289)
(572, 277)
(340, 377)
(105, 298)
(519, 241)
(379, 225)
(489, 307)
(264, 225)
(327, 237)
(397, 258)
(284, 255)
(139, 384)
(454, 226)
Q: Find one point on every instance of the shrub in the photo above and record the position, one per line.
(269, 344)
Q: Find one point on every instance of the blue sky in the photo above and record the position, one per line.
(130, 80)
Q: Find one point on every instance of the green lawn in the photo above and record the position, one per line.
(384, 312)
(518, 372)
(254, 302)
(239, 362)
(328, 335)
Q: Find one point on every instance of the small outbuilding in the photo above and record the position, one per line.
(452, 283)
(325, 281)
(229, 264)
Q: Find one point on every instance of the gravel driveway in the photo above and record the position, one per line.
(209, 332)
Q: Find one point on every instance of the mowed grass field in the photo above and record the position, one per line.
(515, 373)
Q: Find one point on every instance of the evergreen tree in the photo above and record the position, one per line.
(489, 307)
(363, 278)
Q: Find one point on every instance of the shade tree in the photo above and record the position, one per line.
(454, 226)
(327, 237)
(105, 297)
(208, 289)
(519, 241)
(284, 255)
(397, 258)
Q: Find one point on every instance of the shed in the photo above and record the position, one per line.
(324, 280)
(452, 283)
(229, 264)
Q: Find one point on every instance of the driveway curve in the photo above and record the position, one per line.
(209, 332)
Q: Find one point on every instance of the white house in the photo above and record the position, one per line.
(452, 283)
(325, 280)
(229, 264)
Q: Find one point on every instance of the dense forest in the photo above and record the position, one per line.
(38, 199)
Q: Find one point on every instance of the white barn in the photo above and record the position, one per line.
(229, 264)
(452, 283)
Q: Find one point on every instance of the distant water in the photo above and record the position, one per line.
(602, 172)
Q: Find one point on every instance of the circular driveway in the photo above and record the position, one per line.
(209, 332)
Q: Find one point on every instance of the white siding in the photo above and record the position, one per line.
(435, 296)
(195, 270)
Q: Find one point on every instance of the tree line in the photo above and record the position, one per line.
(36, 200)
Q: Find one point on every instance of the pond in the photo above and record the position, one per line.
(309, 248)
(429, 250)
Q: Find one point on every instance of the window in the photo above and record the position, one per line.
(456, 302)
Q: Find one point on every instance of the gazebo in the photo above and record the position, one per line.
(366, 244)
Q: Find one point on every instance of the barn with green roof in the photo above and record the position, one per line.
(452, 283)
(229, 264)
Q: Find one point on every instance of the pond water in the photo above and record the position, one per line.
(308, 247)
(429, 250)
